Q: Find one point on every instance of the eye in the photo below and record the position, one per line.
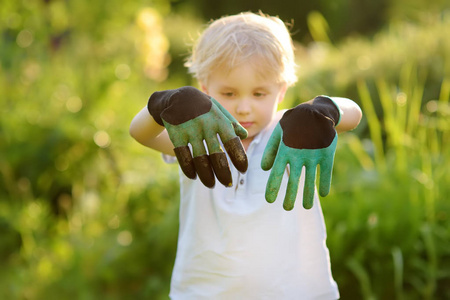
(259, 94)
(228, 94)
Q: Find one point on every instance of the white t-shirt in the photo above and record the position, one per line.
(232, 244)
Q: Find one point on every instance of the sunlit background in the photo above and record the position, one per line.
(87, 213)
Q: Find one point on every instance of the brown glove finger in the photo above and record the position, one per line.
(218, 158)
(237, 154)
(219, 163)
(204, 170)
(186, 162)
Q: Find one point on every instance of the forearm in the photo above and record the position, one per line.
(145, 130)
(351, 114)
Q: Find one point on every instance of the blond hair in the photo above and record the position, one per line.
(246, 37)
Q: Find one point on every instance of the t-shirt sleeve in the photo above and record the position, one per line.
(169, 158)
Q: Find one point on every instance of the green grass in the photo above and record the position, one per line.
(388, 216)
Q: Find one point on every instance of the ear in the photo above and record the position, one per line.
(282, 92)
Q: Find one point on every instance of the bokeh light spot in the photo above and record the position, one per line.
(102, 139)
(74, 104)
(24, 38)
(124, 238)
(123, 71)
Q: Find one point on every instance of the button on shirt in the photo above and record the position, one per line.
(232, 244)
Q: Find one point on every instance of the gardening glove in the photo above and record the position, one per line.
(305, 136)
(192, 117)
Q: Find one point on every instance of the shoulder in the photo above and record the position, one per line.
(279, 114)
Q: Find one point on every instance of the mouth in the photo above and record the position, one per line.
(246, 124)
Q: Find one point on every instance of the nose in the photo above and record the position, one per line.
(243, 107)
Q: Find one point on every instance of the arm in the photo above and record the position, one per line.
(351, 114)
(147, 132)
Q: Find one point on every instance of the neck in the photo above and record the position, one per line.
(246, 143)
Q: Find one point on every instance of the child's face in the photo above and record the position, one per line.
(251, 99)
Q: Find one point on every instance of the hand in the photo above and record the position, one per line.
(305, 136)
(192, 117)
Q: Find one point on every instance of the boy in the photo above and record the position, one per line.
(232, 243)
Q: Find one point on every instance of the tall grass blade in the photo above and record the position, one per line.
(374, 124)
(388, 110)
(393, 130)
(427, 234)
(445, 91)
(358, 150)
(363, 278)
(406, 85)
(318, 27)
(415, 104)
(398, 272)
(444, 98)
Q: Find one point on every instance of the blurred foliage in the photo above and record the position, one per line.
(361, 17)
(86, 212)
(389, 54)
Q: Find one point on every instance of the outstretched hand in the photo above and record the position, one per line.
(304, 137)
(192, 117)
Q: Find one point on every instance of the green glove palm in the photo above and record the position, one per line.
(304, 137)
(192, 117)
